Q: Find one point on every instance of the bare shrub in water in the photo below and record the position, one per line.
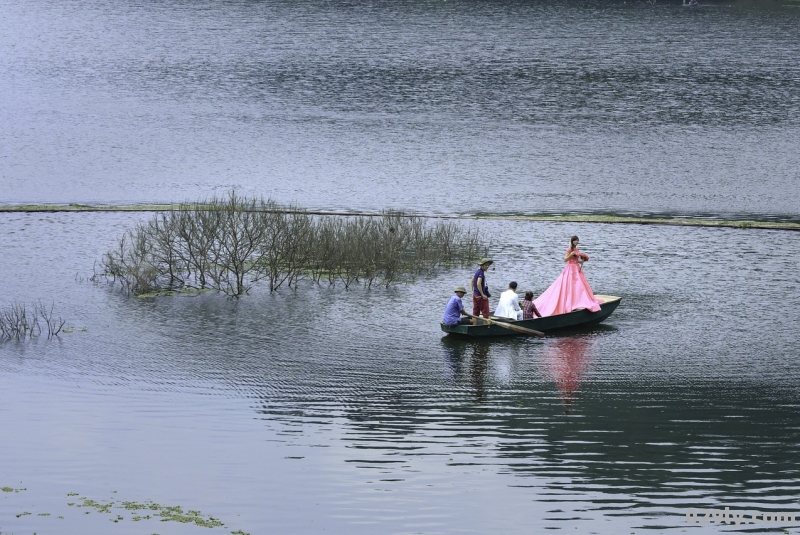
(53, 323)
(232, 243)
(18, 322)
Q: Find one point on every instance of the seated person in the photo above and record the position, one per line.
(508, 307)
(528, 308)
(455, 309)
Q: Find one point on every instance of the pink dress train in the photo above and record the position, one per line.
(568, 292)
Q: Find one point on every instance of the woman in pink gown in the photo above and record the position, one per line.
(570, 290)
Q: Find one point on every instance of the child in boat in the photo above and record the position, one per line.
(529, 307)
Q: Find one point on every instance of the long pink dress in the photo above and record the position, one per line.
(568, 292)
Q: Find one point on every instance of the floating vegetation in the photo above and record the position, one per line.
(134, 511)
(587, 218)
(18, 321)
(230, 244)
(669, 221)
(75, 207)
(149, 510)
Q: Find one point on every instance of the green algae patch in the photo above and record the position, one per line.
(148, 510)
(149, 295)
(176, 514)
(183, 292)
(99, 507)
(132, 511)
(170, 514)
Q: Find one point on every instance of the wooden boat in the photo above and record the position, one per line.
(576, 318)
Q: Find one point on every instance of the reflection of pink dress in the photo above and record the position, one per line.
(566, 360)
(568, 292)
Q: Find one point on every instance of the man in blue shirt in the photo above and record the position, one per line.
(455, 309)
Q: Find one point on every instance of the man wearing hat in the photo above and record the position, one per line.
(455, 309)
(480, 290)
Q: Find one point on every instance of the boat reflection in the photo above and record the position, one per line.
(566, 361)
(478, 364)
(470, 359)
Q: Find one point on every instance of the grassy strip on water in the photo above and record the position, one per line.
(679, 221)
(633, 220)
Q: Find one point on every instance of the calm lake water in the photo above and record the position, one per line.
(348, 411)
(432, 106)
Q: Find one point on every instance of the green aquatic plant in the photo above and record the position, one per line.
(99, 507)
(149, 510)
(176, 514)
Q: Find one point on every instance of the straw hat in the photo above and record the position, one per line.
(461, 289)
(483, 261)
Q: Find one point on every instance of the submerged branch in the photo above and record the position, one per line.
(18, 322)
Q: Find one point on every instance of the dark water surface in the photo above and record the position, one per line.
(324, 410)
(435, 107)
(349, 411)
